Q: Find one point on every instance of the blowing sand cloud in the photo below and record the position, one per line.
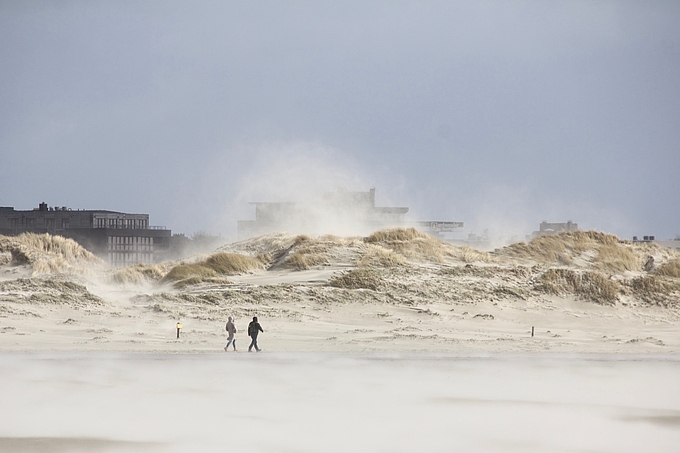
(284, 171)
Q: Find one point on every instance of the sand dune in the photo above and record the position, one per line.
(395, 290)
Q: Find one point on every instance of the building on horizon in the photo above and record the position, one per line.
(340, 212)
(438, 229)
(673, 244)
(547, 229)
(121, 239)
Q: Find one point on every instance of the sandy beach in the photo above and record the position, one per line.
(391, 342)
(322, 402)
(399, 292)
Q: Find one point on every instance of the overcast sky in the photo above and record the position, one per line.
(499, 114)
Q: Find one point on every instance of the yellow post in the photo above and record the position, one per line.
(179, 326)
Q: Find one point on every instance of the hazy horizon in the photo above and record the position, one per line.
(499, 115)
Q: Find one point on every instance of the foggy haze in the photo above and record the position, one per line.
(497, 114)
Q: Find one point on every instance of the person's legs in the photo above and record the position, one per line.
(250, 348)
(255, 344)
(234, 344)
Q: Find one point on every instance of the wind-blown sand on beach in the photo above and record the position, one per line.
(390, 342)
(396, 290)
(324, 402)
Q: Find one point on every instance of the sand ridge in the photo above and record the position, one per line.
(395, 290)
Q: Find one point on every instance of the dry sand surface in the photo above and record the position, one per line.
(391, 342)
(323, 402)
(394, 291)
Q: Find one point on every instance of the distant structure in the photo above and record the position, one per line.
(340, 210)
(121, 239)
(673, 244)
(547, 229)
(437, 228)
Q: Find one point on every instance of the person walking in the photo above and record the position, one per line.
(254, 328)
(231, 330)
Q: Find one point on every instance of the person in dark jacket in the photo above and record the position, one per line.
(254, 328)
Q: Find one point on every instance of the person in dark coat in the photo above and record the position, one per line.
(254, 328)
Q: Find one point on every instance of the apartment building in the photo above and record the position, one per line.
(120, 238)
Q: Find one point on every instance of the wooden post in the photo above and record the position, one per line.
(532, 332)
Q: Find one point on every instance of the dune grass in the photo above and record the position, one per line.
(284, 251)
(376, 256)
(27, 247)
(5, 258)
(670, 268)
(231, 263)
(301, 239)
(48, 255)
(469, 255)
(305, 259)
(214, 266)
(549, 249)
(195, 280)
(656, 290)
(587, 285)
(418, 246)
(266, 244)
(139, 273)
(360, 278)
(395, 234)
(617, 258)
(188, 270)
(56, 245)
(604, 252)
(469, 270)
(308, 252)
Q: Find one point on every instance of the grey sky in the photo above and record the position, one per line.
(498, 114)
